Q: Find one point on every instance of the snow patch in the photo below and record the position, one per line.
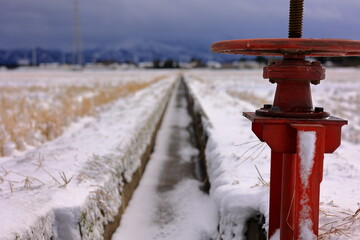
(276, 235)
(307, 149)
(307, 146)
(66, 224)
(306, 232)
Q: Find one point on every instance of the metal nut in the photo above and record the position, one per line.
(267, 106)
(319, 109)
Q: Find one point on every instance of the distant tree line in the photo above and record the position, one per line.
(335, 61)
(340, 61)
(168, 63)
(193, 62)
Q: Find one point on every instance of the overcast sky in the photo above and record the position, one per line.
(48, 23)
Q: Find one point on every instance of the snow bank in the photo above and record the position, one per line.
(233, 169)
(96, 158)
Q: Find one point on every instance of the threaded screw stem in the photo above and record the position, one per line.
(296, 18)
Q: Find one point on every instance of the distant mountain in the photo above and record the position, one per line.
(25, 56)
(127, 51)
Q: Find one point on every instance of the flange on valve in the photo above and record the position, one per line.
(291, 125)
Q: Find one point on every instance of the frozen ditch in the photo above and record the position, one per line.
(170, 202)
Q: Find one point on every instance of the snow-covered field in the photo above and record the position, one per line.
(68, 184)
(68, 188)
(35, 105)
(238, 163)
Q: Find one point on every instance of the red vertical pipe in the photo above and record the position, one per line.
(275, 192)
(287, 196)
(293, 96)
(307, 197)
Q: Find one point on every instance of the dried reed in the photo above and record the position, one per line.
(32, 115)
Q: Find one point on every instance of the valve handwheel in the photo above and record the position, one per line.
(289, 46)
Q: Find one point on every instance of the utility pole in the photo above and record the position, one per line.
(63, 58)
(34, 56)
(77, 58)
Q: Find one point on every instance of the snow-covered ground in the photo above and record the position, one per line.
(70, 187)
(98, 153)
(238, 163)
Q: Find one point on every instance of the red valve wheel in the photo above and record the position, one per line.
(289, 46)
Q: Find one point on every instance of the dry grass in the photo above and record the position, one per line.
(262, 181)
(248, 97)
(338, 223)
(32, 115)
(198, 78)
(11, 181)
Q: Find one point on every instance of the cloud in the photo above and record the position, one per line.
(107, 22)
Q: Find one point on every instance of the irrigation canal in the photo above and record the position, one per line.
(170, 203)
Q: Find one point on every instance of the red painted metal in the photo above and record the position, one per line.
(287, 197)
(275, 193)
(281, 137)
(307, 196)
(289, 46)
(284, 70)
(293, 95)
(286, 189)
